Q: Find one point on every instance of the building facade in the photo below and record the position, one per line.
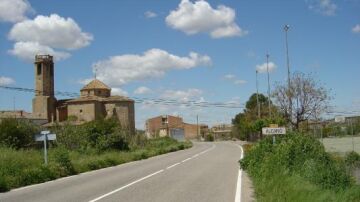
(95, 101)
(171, 126)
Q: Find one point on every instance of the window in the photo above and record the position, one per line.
(38, 69)
(80, 110)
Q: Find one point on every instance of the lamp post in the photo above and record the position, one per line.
(257, 95)
(286, 29)
(268, 79)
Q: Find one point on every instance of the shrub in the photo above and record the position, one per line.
(352, 160)
(17, 133)
(62, 158)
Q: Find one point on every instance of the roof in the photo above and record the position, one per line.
(95, 84)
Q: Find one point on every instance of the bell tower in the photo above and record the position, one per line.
(44, 102)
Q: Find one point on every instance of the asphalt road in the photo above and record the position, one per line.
(206, 172)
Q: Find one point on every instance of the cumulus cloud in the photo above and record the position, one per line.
(5, 81)
(234, 80)
(142, 90)
(229, 76)
(183, 95)
(324, 7)
(200, 17)
(356, 28)
(150, 14)
(239, 82)
(14, 10)
(52, 35)
(54, 31)
(119, 91)
(263, 67)
(28, 50)
(154, 63)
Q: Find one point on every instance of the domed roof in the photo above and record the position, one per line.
(95, 84)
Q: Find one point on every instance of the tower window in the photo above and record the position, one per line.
(38, 69)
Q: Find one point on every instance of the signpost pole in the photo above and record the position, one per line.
(45, 150)
(274, 141)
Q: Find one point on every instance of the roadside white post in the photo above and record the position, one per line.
(45, 136)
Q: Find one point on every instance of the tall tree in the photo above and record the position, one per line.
(306, 97)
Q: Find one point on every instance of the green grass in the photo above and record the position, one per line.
(297, 168)
(24, 167)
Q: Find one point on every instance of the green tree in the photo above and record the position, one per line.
(17, 133)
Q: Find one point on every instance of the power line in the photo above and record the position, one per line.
(160, 101)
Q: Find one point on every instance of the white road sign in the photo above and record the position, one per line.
(273, 131)
(41, 137)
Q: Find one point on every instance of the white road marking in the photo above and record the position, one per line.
(172, 165)
(128, 185)
(238, 185)
(186, 160)
(196, 155)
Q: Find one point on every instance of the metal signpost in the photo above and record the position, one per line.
(45, 136)
(273, 131)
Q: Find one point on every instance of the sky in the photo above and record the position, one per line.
(181, 50)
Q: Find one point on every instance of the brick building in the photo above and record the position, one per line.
(172, 126)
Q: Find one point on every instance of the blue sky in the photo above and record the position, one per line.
(189, 50)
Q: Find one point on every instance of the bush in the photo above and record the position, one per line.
(209, 138)
(62, 158)
(17, 133)
(295, 156)
(352, 160)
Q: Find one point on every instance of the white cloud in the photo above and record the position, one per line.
(229, 76)
(14, 10)
(263, 67)
(200, 17)
(324, 7)
(54, 31)
(154, 63)
(142, 90)
(239, 82)
(28, 50)
(356, 28)
(150, 14)
(118, 91)
(191, 94)
(5, 81)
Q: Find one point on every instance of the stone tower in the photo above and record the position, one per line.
(44, 102)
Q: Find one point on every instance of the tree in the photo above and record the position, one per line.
(248, 122)
(304, 99)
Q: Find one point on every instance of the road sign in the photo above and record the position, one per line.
(45, 136)
(273, 125)
(41, 137)
(273, 131)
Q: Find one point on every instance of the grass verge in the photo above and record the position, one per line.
(25, 167)
(297, 168)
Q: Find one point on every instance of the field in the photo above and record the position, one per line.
(341, 145)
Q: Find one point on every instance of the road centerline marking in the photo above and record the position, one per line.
(186, 160)
(173, 165)
(128, 185)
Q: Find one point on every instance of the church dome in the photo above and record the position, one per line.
(96, 88)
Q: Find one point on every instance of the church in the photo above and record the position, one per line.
(95, 101)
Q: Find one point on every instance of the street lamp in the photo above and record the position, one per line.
(268, 79)
(286, 29)
(257, 94)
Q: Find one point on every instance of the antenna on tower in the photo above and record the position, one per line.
(95, 71)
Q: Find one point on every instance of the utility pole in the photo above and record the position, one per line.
(257, 95)
(197, 124)
(286, 29)
(268, 78)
